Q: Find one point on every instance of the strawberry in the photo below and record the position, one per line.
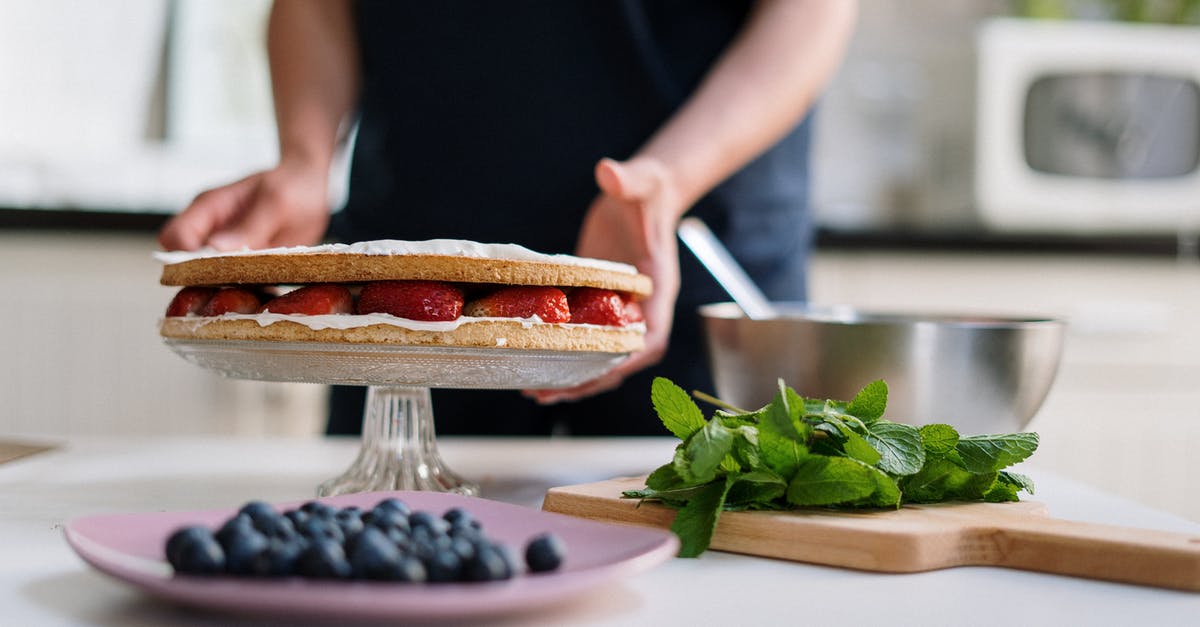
(312, 300)
(415, 300)
(189, 300)
(231, 300)
(591, 305)
(547, 303)
(633, 310)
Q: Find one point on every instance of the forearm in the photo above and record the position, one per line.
(314, 76)
(755, 93)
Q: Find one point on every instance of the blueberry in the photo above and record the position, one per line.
(324, 559)
(373, 555)
(297, 516)
(487, 565)
(183, 536)
(409, 570)
(322, 528)
(467, 533)
(240, 523)
(395, 505)
(386, 518)
(434, 524)
(443, 566)
(318, 509)
(242, 548)
(276, 526)
(350, 520)
(458, 517)
(194, 551)
(400, 538)
(281, 557)
(512, 563)
(464, 548)
(258, 510)
(545, 552)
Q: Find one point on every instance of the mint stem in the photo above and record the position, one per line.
(712, 400)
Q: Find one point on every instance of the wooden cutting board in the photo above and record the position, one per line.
(920, 537)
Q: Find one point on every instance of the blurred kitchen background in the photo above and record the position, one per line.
(1036, 157)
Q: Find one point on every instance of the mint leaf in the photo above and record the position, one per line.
(778, 453)
(899, 445)
(858, 448)
(938, 439)
(1007, 486)
(944, 480)
(678, 413)
(746, 448)
(780, 417)
(664, 478)
(887, 491)
(990, 453)
(697, 521)
(1017, 479)
(821, 480)
(701, 455)
(869, 404)
(760, 486)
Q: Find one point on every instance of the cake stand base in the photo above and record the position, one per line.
(398, 451)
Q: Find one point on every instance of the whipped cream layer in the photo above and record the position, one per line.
(443, 247)
(351, 321)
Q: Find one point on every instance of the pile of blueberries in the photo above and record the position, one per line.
(389, 542)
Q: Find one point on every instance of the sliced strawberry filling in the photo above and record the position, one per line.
(415, 300)
(547, 303)
(420, 300)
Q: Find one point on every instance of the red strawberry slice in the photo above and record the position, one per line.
(312, 300)
(590, 305)
(633, 310)
(231, 300)
(547, 303)
(415, 300)
(190, 300)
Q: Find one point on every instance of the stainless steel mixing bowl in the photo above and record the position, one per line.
(981, 374)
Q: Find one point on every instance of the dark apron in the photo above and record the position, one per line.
(484, 121)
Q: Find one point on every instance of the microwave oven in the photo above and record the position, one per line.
(1087, 127)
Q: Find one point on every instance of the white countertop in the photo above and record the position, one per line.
(42, 582)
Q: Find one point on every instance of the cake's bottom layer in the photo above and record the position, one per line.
(484, 333)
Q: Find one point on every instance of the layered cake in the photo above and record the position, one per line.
(433, 293)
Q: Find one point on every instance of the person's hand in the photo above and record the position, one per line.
(633, 220)
(284, 206)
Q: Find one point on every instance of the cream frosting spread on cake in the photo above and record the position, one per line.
(444, 247)
(348, 321)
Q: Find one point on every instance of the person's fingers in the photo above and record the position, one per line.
(255, 228)
(192, 228)
(625, 181)
(603, 383)
(656, 347)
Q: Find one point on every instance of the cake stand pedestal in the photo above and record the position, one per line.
(399, 449)
(399, 444)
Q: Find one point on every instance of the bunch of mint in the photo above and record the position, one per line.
(804, 452)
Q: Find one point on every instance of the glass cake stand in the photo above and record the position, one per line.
(399, 449)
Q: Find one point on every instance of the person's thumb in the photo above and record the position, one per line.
(628, 181)
(255, 228)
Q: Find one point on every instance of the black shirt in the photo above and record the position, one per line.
(484, 121)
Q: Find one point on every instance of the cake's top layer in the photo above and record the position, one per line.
(437, 260)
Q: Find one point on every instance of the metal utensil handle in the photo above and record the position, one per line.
(724, 268)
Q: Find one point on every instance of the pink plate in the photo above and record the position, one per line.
(130, 548)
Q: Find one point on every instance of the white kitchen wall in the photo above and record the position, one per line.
(80, 351)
